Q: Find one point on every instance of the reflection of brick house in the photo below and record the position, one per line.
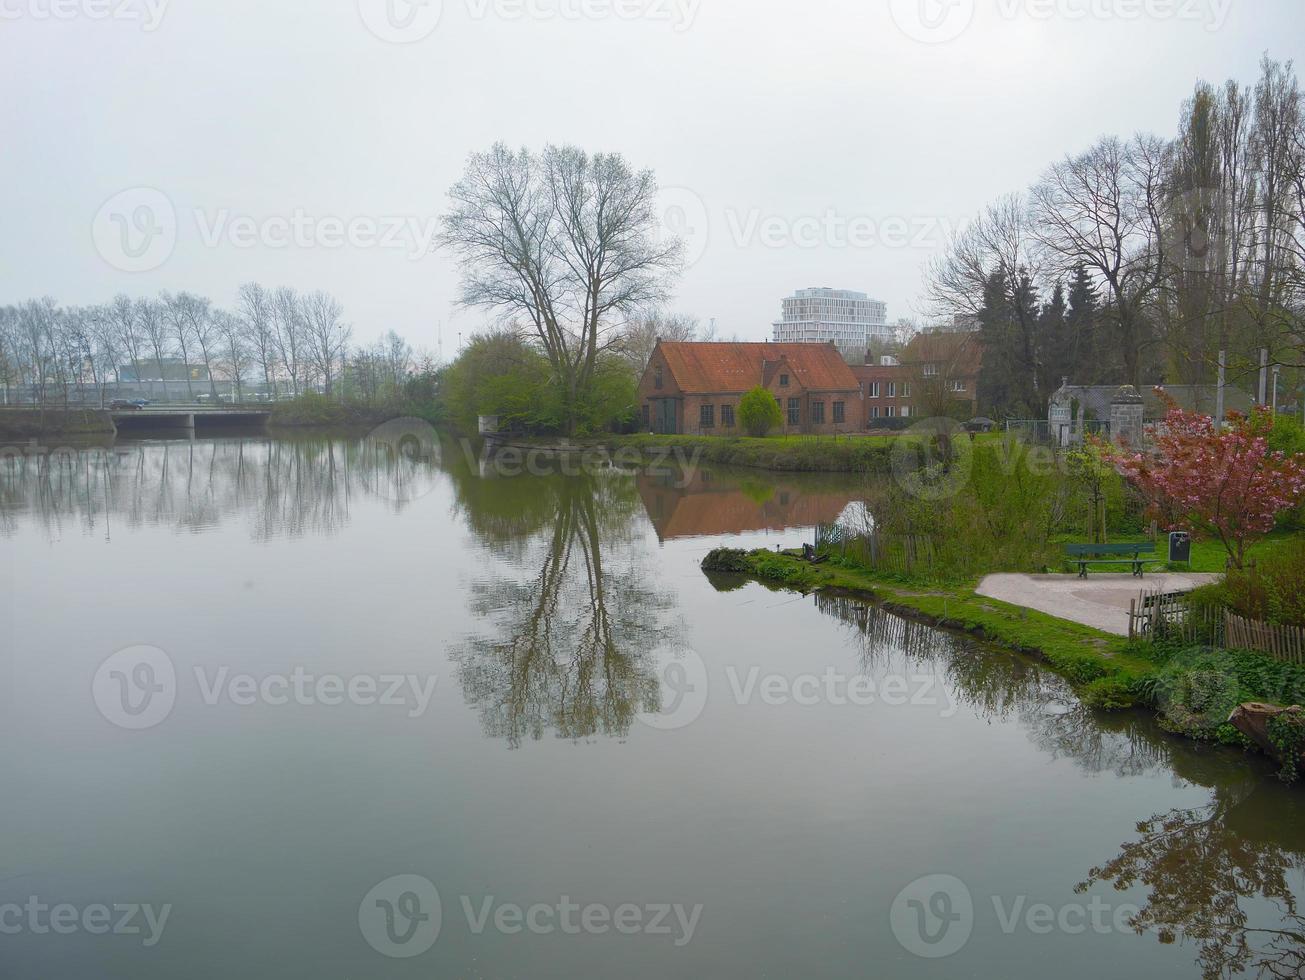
(938, 374)
(695, 388)
(710, 504)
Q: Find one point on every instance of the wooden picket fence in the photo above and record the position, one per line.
(1157, 616)
(1169, 616)
(1286, 643)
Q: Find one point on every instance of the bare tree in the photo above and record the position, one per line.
(10, 368)
(642, 334)
(125, 326)
(255, 308)
(1103, 209)
(179, 318)
(564, 241)
(153, 327)
(233, 344)
(288, 334)
(326, 333)
(198, 312)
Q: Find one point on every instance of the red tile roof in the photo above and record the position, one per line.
(716, 368)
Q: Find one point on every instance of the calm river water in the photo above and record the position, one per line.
(300, 708)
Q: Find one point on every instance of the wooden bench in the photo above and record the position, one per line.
(1130, 555)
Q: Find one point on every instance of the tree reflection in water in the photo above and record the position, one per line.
(574, 634)
(283, 486)
(1223, 877)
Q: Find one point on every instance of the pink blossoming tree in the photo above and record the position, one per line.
(1217, 483)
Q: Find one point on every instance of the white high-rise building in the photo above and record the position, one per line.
(849, 319)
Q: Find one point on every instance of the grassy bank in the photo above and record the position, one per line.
(1100, 664)
(810, 454)
(20, 424)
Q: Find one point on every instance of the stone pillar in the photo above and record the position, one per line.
(1127, 416)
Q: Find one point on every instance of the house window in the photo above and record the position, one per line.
(892, 389)
(906, 389)
(874, 389)
(783, 380)
(657, 377)
(707, 416)
(890, 412)
(647, 416)
(727, 416)
(906, 411)
(840, 413)
(817, 413)
(874, 411)
(959, 386)
(931, 370)
(794, 411)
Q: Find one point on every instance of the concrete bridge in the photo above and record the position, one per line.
(188, 418)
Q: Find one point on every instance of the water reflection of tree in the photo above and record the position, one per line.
(573, 640)
(1218, 875)
(281, 486)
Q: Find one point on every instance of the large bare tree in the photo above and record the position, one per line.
(564, 241)
(1104, 209)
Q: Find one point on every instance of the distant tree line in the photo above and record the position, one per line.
(1138, 260)
(274, 342)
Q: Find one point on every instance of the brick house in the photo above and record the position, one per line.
(938, 374)
(695, 388)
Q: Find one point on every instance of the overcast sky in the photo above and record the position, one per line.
(147, 145)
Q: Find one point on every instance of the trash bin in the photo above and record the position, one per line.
(1180, 547)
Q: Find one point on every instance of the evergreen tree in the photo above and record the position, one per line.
(1009, 381)
(1083, 357)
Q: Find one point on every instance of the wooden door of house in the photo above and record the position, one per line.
(664, 416)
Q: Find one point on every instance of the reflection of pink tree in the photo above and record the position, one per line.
(1224, 483)
(1204, 875)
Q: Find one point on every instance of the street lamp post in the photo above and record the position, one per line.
(1277, 368)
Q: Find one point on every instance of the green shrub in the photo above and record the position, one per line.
(759, 412)
(1272, 590)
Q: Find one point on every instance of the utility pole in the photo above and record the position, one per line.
(1264, 376)
(1277, 369)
